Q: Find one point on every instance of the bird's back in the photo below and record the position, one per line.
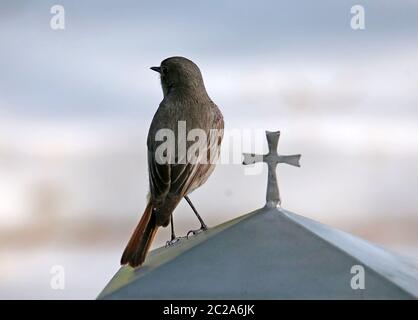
(195, 113)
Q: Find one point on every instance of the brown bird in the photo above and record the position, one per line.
(185, 103)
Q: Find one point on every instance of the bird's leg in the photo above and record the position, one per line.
(203, 226)
(173, 235)
(174, 239)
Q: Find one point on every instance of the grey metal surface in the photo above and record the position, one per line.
(272, 159)
(398, 269)
(266, 254)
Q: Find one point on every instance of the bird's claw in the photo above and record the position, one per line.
(172, 242)
(196, 232)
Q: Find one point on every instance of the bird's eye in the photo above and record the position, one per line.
(164, 71)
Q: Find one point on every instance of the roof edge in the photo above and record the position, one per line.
(393, 268)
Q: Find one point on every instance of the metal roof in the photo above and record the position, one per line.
(267, 254)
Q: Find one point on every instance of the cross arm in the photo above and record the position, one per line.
(293, 160)
(251, 158)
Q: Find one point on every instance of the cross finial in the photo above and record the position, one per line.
(272, 159)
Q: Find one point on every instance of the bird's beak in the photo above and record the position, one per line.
(156, 69)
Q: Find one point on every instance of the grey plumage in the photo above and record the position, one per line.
(185, 99)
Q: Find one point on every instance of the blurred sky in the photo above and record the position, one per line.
(75, 106)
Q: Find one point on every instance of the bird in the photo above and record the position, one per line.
(185, 102)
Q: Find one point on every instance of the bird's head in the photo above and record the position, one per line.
(179, 73)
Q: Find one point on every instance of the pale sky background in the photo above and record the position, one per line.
(75, 106)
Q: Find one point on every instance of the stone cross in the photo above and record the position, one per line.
(272, 159)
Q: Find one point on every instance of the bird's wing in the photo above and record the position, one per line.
(183, 174)
(187, 177)
(159, 177)
(159, 172)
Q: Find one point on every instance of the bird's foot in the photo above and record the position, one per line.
(172, 242)
(196, 232)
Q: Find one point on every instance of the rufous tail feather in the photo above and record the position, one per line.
(140, 242)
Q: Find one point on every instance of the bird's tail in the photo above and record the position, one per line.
(141, 239)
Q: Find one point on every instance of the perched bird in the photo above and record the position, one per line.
(185, 102)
